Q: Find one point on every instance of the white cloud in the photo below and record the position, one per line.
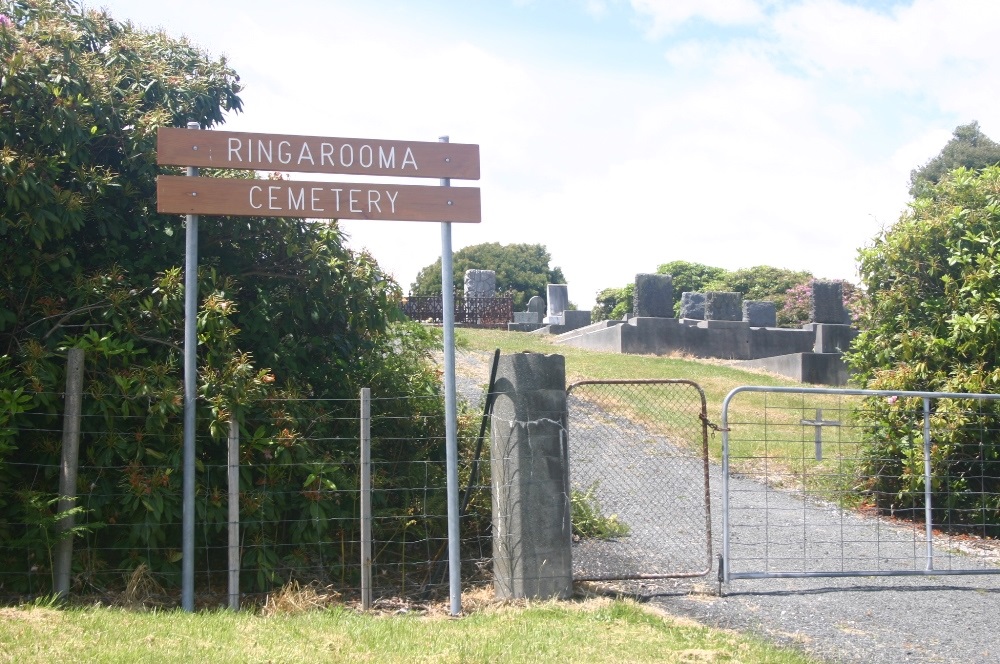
(908, 48)
(790, 145)
(667, 15)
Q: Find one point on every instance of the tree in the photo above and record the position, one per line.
(755, 283)
(688, 277)
(762, 283)
(286, 310)
(931, 322)
(969, 147)
(521, 269)
(613, 303)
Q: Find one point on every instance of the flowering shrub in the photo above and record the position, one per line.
(797, 307)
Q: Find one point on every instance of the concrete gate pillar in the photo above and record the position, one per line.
(532, 535)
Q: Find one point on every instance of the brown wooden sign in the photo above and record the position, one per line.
(318, 200)
(311, 154)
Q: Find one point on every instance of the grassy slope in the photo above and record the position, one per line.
(715, 378)
(593, 631)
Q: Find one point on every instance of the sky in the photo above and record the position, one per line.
(623, 134)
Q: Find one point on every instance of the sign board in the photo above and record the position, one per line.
(316, 200)
(194, 195)
(311, 154)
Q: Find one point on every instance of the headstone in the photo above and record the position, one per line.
(760, 313)
(693, 306)
(537, 305)
(723, 306)
(653, 296)
(557, 297)
(828, 302)
(527, 317)
(480, 283)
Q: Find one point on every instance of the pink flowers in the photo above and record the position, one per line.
(892, 399)
(5, 21)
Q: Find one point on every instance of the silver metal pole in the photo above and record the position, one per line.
(366, 499)
(234, 513)
(190, 387)
(724, 563)
(928, 507)
(450, 414)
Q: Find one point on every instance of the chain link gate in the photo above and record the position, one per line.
(639, 475)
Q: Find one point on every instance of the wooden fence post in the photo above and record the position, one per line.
(68, 473)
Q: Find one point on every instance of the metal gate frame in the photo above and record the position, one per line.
(726, 574)
(703, 418)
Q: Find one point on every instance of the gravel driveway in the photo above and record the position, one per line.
(869, 619)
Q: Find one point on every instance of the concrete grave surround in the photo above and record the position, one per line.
(527, 321)
(727, 328)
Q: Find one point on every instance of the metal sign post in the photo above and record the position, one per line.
(450, 414)
(194, 195)
(190, 393)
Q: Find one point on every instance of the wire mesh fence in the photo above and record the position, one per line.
(639, 476)
(299, 501)
(852, 483)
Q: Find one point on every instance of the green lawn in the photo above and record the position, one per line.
(783, 435)
(596, 630)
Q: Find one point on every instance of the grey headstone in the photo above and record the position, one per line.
(828, 302)
(537, 305)
(653, 296)
(532, 317)
(723, 306)
(557, 297)
(693, 306)
(760, 313)
(480, 283)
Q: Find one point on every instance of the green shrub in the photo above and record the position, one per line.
(589, 521)
(931, 322)
(291, 325)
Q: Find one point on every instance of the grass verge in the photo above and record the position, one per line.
(595, 630)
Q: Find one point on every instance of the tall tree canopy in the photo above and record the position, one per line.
(86, 261)
(522, 270)
(969, 147)
(690, 277)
